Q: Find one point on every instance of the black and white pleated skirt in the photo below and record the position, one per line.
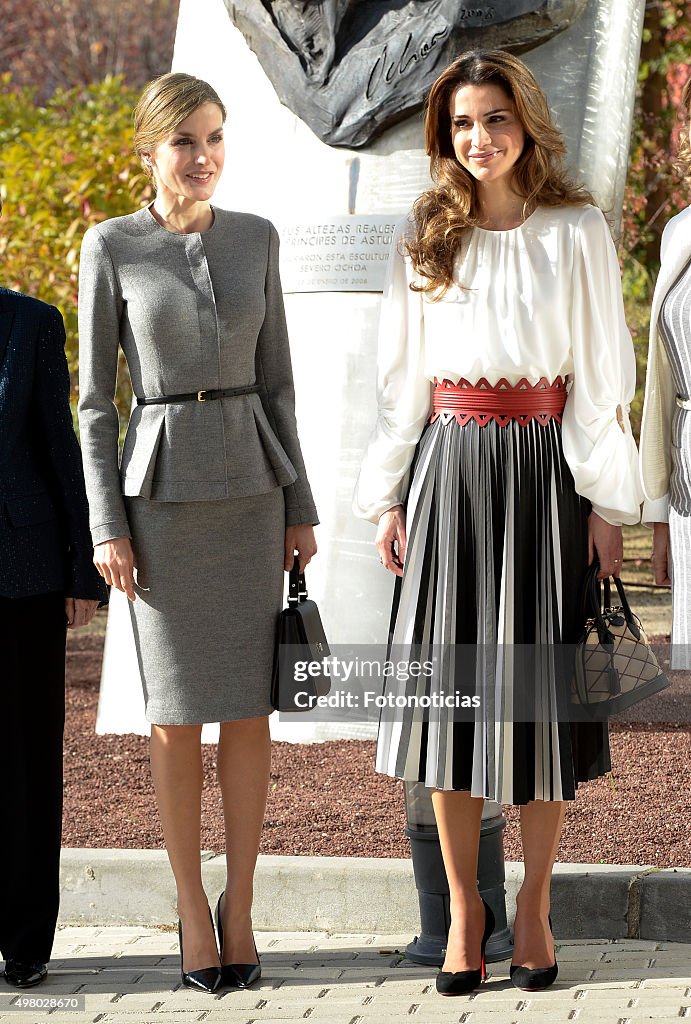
(496, 553)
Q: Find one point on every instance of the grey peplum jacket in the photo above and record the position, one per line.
(191, 312)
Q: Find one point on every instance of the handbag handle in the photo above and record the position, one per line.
(630, 618)
(593, 597)
(297, 588)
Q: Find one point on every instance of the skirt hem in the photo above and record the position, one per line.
(566, 798)
(192, 717)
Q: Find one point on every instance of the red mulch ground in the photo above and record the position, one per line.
(326, 799)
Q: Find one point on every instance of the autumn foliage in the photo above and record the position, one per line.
(63, 167)
(654, 191)
(59, 44)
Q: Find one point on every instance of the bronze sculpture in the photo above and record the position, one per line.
(351, 68)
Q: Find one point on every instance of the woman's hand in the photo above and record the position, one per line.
(391, 539)
(605, 540)
(301, 539)
(114, 559)
(79, 612)
(660, 557)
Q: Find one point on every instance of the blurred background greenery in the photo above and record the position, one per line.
(66, 160)
(70, 74)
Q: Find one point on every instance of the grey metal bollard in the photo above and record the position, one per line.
(430, 878)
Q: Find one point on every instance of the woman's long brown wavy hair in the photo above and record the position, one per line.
(683, 162)
(444, 212)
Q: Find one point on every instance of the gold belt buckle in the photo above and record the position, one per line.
(201, 396)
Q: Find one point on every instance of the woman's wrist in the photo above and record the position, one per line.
(394, 508)
(596, 510)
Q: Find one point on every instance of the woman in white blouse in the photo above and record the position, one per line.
(503, 318)
(666, 426)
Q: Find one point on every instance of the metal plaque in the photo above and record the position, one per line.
(337, 254)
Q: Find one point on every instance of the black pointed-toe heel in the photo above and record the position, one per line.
(246, 974)
(206, 979)
(236, 975)
(533, 979)
(457, 983)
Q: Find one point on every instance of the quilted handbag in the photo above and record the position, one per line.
(299, 673)
(615, 665)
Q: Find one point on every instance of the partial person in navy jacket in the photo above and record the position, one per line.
(48, 583)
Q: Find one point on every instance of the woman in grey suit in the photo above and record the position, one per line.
(211, 499)
(666, 426)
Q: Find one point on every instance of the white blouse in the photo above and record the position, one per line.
(540, 300)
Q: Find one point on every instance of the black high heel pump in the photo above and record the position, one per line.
(457, 983)
(207, 979)
(534, 979)
(236, 975)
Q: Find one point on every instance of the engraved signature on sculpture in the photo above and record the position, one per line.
(385, 69)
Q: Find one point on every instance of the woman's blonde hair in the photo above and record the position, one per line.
(683, 161)
(444, 212)
(165, 103)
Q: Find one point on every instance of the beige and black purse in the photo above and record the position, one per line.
(615, 665)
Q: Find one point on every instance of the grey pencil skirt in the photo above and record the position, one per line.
(209, 586)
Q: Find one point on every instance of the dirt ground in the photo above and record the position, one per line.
(326, 799)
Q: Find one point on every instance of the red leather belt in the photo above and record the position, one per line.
(501, 402)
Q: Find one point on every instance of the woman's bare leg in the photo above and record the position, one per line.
(458, 823)
(541, 824)
(244, 762)
(176, 767)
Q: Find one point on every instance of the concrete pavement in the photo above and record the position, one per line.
(130, 975)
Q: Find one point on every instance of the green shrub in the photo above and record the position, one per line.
(63, 167)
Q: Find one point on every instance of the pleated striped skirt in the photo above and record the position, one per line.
(496, 553)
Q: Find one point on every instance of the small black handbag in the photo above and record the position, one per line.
(299, 673)
(615, 665)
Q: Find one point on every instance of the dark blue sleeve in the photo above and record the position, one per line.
(60, 449)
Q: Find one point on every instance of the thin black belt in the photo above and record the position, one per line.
(201, 396)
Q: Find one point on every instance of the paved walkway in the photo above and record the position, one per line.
(131, 976)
